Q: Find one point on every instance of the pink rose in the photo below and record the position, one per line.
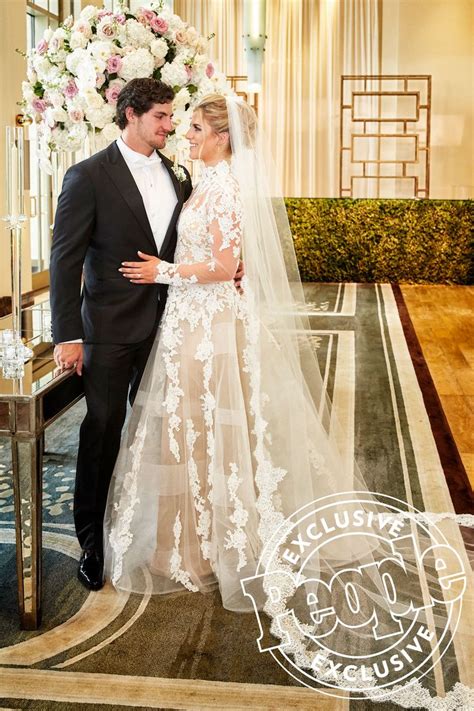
(181, 36)
(189, 71)
(107, 29)
(39, 105)
(121, 19)
(112, 93)
(71, 89)
(42, 46)
(159, 25)
(210, 70)
(104, 13)
(76, 115)
(83, 27)
(145, 14)
(114, 64)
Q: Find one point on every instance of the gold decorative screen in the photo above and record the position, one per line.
(239, 85)
(385, 136)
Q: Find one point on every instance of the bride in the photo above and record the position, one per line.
(229, 431)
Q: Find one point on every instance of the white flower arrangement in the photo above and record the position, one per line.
(75, 74)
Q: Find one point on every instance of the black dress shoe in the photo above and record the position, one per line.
(91, 569)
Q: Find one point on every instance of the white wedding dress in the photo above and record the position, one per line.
(194, 494)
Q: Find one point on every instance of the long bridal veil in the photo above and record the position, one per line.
(346, 577)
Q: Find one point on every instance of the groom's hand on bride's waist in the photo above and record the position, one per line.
(238, 276)
(143, 272)
(69, 355)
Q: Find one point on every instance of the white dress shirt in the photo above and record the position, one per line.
(156, 188)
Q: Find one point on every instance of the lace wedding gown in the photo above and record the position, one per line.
(194, 492)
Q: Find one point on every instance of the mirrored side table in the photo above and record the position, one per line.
(28, 405)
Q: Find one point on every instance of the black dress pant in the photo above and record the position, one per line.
(110, 371)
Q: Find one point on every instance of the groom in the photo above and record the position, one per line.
(122, 200)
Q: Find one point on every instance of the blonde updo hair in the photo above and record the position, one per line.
(213, 108)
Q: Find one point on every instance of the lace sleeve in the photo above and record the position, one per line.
(224, 216)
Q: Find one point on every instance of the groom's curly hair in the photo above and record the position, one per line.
(140, 95)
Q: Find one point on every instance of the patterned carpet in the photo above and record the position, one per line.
(108, 650)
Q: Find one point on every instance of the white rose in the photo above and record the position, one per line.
(159, 48)
(59, 114)
(78, 39)
(47, 34)
(174, 74)
(137, 64)
(110, 132)
(182, 98)
(137, 34)
(42, 65)
(92, 99)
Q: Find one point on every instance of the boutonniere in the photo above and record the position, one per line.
(178, 170)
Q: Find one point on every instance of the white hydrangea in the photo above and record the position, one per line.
(86, 74)
(102, 50)
(174, 74)
(54, 98)
(78, 40)
(139, 63)
(159, 48)
(100, 117)
(53, 116)
(53, 79)
(137, 34)
(75, 59)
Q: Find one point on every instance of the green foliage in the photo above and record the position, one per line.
(406, 241)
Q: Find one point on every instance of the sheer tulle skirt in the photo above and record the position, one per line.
(210, 463)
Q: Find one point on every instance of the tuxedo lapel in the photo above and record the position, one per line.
(122, 178)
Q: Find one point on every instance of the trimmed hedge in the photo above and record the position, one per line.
(411, 241)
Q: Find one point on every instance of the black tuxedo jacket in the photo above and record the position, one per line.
(101, 222)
